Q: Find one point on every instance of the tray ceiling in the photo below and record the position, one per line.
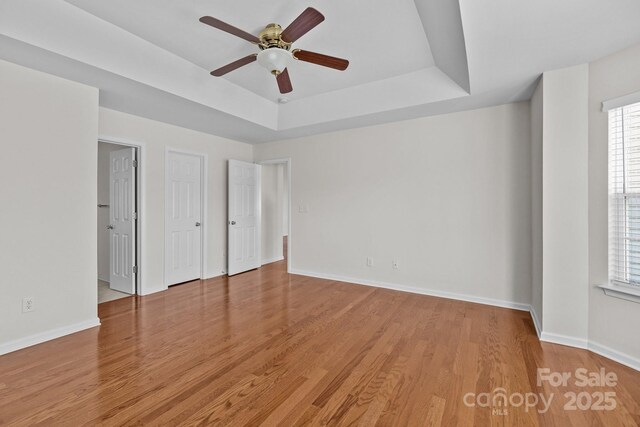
(408, 58)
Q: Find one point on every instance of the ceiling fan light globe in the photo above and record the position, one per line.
(275, 60)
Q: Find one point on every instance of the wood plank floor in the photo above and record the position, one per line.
(270, 348)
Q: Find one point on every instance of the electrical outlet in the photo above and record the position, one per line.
(396, 264)
(27, 304)
(369, 262)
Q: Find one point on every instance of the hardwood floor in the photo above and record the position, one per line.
(270, 348)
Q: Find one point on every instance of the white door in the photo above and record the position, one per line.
(183, 211)
(122, 207)
(244, 217)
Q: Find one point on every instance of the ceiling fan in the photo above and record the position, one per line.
(275, 47)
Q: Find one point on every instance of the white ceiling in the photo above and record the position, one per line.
(349, 31)
(408, 59)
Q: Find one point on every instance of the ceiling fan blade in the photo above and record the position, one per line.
(320, 59)
(302, 25)
(284, 82)
(234, 65)
(216, 23)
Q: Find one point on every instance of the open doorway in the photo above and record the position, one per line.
(117, 221)
(275, 201)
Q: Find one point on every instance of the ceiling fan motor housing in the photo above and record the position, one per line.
(271, 37)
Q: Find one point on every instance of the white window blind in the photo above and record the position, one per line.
(624, 195)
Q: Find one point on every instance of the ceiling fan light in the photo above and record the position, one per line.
(275, 59)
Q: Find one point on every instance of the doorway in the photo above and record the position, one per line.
(185, 207)
(276, 210)
(117, 221)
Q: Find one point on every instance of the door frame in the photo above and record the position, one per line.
(286, 161)
(204, 161)
(140, 199)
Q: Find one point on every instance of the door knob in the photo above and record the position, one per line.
(233, 223)
(109, 227)
(197, 224)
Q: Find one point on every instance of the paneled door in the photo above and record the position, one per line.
(244, 217)
(183, 218)
(122, 220)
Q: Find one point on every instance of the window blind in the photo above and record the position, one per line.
(624, 195)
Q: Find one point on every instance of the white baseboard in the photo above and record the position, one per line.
(416, 290)
(564, 340)
(602, 350)
(270, 260)
(41, 337)
(617, 356)
(536, 321)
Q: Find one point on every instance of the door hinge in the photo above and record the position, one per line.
(135, 163)
(135, 215)
(135, 269)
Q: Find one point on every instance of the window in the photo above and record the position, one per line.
(624, 195)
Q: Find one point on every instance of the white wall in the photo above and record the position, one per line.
(155, 138)
(272, 195)
(612, 322)
(103, 213)
(537, 103)
(565, 258)
(48, 212)
(449, 197)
